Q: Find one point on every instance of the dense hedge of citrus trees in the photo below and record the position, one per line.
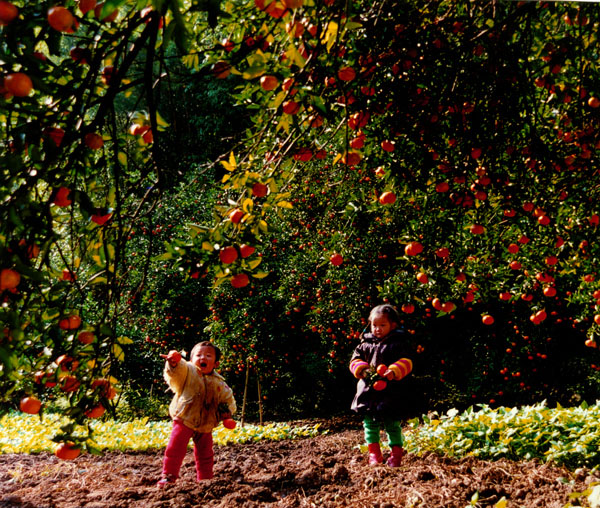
(442, 156)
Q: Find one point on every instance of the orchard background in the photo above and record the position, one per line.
(263, 173)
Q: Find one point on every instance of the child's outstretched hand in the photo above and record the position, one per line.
(174, 357)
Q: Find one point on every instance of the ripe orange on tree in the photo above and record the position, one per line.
(293, 4)
(86, 337)
(413, 248)
(30, 405)
(60, 18)
(9, 279)
(346, 74)
(408, 308)
(388, 146)
(260, 190)
(18, 84)
(67, 451)
(269, 82)
(477, 229)
(93, 140)
(101, 219)
(236, 215)
(8, 12)
(487, 319)
(422, 278)
(95, 412)
(387, 198)
(109, 18)
(246, 250)
(62, 197)
(240, 280)
(291, 107)
(104, 388)
(86, 5)
(228, 255)
(69, 384)
(336, 259)
(221, 69)
(71, 322)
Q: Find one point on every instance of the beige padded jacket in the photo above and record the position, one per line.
(197, 396)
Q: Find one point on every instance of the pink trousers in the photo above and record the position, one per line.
(177, 448)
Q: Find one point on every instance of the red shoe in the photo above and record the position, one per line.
(396, 456)
(164, 481)
(375, 456)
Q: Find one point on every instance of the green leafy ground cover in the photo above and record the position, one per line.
(21, 433)
(566, 436)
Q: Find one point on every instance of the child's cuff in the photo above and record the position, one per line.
(401, 368)
(357, 366)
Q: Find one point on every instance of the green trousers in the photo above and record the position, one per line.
(392, 428)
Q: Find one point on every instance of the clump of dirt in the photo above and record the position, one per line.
(328, 470)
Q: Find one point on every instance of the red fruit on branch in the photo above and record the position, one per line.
(30, 405)
(387, 198)
(9, 279)
(8, 12)
(487, 319)
(228, 255)
(379, 385)
(62, 197)
(61, 19)
(240, 280)
(67, 451)
(18, 84)
(336, 259)
(246, 250)
(413, 248)
(381, 369)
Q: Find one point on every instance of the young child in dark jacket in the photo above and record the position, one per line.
(384, 351)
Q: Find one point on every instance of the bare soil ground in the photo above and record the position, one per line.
(325, 471)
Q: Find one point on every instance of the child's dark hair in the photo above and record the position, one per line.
(209, 344)
(386, 310)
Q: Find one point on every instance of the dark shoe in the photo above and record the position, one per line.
(396, 456)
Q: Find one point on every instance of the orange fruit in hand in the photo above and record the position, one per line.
(381, 369)
(379, 385)
(30, 405)
(229, 423)
(18, 84)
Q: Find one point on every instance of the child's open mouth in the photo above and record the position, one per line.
(203, 365)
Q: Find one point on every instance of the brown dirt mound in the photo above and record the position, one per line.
(326, 471)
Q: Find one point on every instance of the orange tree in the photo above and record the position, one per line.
(447, 152)
(457, 144)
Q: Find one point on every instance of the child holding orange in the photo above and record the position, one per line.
(201, 400)
(379, 362)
